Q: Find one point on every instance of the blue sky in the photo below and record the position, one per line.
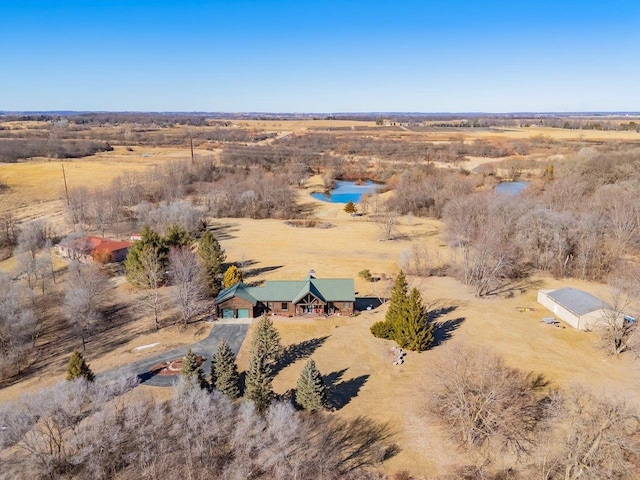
(320, 56)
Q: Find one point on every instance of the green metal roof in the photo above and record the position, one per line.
(309, 287)
(326, 289)
(238, 290)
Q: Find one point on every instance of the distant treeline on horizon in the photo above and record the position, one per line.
(382, 118)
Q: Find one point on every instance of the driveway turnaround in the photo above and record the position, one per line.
(233, 333)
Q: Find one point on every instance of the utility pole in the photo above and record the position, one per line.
(66, 190)
(193, 161)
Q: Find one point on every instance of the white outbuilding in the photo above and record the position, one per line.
(578, 308)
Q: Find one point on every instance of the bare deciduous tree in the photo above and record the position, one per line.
(79, 199)
(8, 230)
(388, 223)
(48, 426)
(486, 405)
(84, 296)
(618, 332)
(18, 328)
(591, 437)
(81, 430)
(150, 276)
(186, 276)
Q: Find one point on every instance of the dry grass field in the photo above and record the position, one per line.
(358, 367)
(36, 187)
(361, 366)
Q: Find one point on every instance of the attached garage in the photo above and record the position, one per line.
(578, 308)
(235, 302)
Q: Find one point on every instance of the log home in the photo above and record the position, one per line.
(310, 297)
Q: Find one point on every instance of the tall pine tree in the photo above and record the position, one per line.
(224, 372)
(407, 319)
(395, 312)
(310, 391)
(398, 300)
(265, 351)
(259, 380)
(414, 331)
(213, 257)
(266, 340)
(78, 368)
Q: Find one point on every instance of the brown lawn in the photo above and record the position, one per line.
(368, 381)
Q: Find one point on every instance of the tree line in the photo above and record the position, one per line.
(15, 149)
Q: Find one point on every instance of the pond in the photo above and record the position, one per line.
(511, 188)
(345, 191)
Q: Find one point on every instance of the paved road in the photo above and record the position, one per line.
(233, 333)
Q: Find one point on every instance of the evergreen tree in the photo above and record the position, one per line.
(396, 311)
(310, 391)
(266, 340)
(177, 236)
(398, 300)
(258, 386)
(265, 350)
(407, 319)
(224, 372)
(77, 368)
(213, 257)
(149, 241)
(414, 331)
(191, 370)
(232, 276)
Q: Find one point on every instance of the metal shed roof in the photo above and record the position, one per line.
(577, 301)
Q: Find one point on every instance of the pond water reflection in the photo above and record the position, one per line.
(345, 191)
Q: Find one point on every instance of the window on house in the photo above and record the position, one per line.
(285, 306)
(270, 304)
(346, 304)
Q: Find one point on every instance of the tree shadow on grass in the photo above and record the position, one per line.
(441, 312)
(360, 441)
(341, 392)
(297, 351)
(510, 288)
(254, 272)
(443, 330)
(224, 231)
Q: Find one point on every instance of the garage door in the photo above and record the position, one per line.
(243, 313)
(227, 313)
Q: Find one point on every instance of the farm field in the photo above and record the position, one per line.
(36, 187)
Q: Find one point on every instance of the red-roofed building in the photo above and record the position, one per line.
(94, 249)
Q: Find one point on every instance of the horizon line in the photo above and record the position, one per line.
(248, 112)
